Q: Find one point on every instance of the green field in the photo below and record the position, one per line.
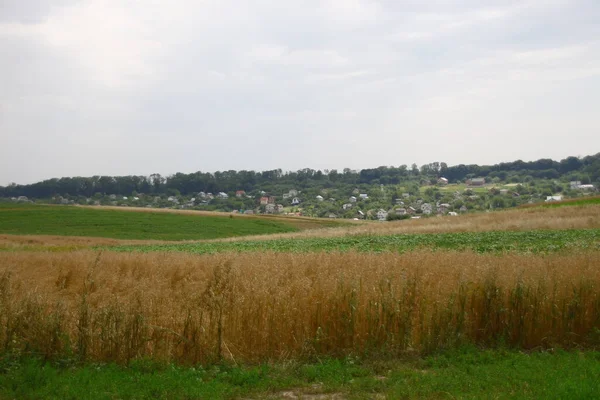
(528, 241)
(465, 373)
(584, 201)
(109, 223)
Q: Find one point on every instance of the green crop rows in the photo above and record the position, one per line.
(74, 221)
(530, 241)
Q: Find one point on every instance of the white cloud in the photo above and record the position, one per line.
(123, 87)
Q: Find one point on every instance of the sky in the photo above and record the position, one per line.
(132, 87)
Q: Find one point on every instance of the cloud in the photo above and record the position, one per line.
(123, 87)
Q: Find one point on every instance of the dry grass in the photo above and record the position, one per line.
(583, 217)
(250, 307)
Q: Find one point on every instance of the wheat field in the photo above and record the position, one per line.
(106, 306)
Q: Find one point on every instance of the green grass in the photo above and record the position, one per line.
(529, 241)
(584, 201)
(73, 221)
(466, 373)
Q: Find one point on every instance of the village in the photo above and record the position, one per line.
(382, 202)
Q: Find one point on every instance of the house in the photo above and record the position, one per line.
(295, 201)
(240, 193)
(411, 210)
(586, 187)
(361, 214)
(553, 198)
(125, 198)
(363, 196)
(210, 196)
(406, 195)
(112, 197)
(463, 209)
(137, 198)
(293, 193)
(426, 208)
(382, 215)
(173, 199)
(332, 215)
(222, 195)
(442, 181)
(574, 184)
(443, 208)
(355, 191)
(22, 198)
(270, 208)
(476, 182)
(264, 200)
(347, 206)
(352, 199)
(453, 214)
(319, 198)
(399, 202)
(201, 195)
(401, 211)
(249, 212)
(279, 208)
(503, 192)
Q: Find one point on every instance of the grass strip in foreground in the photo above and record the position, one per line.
(483, 242)
(466, 373)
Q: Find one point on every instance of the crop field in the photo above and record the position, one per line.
(525, 241)
(362, 300)
(123, 224)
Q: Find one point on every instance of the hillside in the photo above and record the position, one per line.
(385, 192)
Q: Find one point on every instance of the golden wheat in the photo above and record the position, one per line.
(255, 307)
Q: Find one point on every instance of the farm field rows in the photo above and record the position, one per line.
(526, 241)
(149, 225)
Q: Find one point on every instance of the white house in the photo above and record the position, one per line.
(319, 198)
(347, 206)
(574, 184)
(553, 198)
(222, 195)
(382, 215)
(443, 181)
(295, 201)
(426, 208)
(352, 199)
(270, 208)
(453, 214)
(363, 196)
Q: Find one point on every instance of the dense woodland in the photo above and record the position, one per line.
(384, 185)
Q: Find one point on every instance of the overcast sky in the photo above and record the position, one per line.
(117, 87)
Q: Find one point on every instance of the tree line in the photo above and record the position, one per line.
(585, 169)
